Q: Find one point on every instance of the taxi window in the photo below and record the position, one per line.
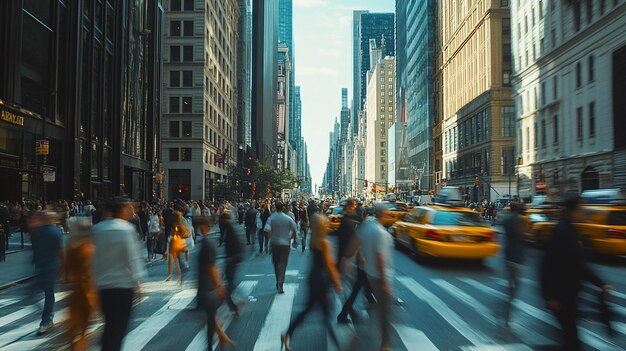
(617, 218)
(414, 216)
(458, 218)
(396, 207)
(338, 210)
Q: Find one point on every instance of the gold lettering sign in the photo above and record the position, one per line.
(12, 118)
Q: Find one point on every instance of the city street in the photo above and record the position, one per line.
(451, 305)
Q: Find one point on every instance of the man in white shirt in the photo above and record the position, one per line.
(117, 269)
(375, 251)
(281, 229)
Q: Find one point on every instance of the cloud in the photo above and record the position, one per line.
(309, 3)
(316, 71)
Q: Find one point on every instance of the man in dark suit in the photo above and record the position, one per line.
(563, 270)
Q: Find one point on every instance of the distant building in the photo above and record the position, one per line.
(398, 160)
(568, 84)
(244, 74)
(284, 149)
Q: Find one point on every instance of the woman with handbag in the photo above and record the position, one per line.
(177, 246)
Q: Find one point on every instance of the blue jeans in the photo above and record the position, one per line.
(45, 283)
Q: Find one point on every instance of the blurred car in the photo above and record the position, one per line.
(445, 232)
(603, 225)
(542, 218)
(396, 211)
(334, 216)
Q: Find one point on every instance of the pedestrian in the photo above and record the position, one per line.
(563, 270)
(250, 222)
(375, 249)
(514, 228)
(117, 270)
(348, 245)
(264, 215)
(304, 223)
(83, 299)
(240, 212)
(210, 287)
(47, 241)
(176, 246)
(234, 256)
(323, 273)
(154, 229)
(281, 230)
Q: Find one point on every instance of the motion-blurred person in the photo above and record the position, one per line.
(264, 214)
(79, 257)
(323, 273)
(375, 251)
(563, 270)
(304, 223)
(281, 230)
(250, 222)
(348, 244)
(210, 287)
(154, 228)
(176, 246)
(117, 270)
(514, 247)
(47, 242)
(234, 256)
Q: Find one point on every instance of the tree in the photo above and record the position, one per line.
(255, 180)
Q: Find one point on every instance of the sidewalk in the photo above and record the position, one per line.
(18, 266)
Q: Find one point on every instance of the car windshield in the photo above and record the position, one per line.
(396, 207)
(338, 210)
(617, 218)
(458, 218)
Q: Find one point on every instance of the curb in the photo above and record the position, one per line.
(15, 282)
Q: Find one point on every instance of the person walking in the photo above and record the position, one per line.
(154, 228)
(514, 247)
(323, 273)
(47, 243)
(250, 222)
(264, 215)
(176, 247)
(563, 269)
(375, 251)
(281, 230)
(234, 256)
(304, 223)
(79, 258)
(117, 270)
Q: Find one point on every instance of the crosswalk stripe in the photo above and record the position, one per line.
(513, 347)
(7, 302)
(277, 320)
(456, 321)
(487, 313)
(21, 313)
(149, 328)
(414, 339)
(13, 335)
(588, 337)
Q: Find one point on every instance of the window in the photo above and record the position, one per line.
(188, 53)
(553, 37)
(508, 121)
(525, 24)
(540, 9)
(188, 28)
(527, 138)
(186, 104)
(389, 86)
(187, 78)
(175, 28)
(185, 154)
(504, 3)
(579, 123)
(602, 4)
(579, 73)
(592, 119)
(390, 79)
(174, 79)
(536, 140)
(506, 26)
(543, 133)
(175, 53)
(507, 162)
(186, 129)
(382, 87)
(555, 87)
(175, 5)
(174, 104)
(555, 122)
(591, 69)
(174, 129)
(519, 30)
(189, 5)
(543, 93)
(589, 11)
(174, 154)
(576, 10)
(382, 79)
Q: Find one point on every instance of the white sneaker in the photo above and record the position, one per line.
(44, 328)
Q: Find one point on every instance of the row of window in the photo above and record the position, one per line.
(470, 164)
(577, 9)
(590, 72)
(180, 154)
(541, 133)
(471, 131)
(181, 28)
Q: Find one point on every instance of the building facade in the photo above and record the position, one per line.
(568, 58)
(398, 161)
(244, 74)
(199, 121)
(415, 105)
(79, 99)
(475, 112)
(358, 160)
(376, 26)
(379, 115)
(285, 35)
(284, 160)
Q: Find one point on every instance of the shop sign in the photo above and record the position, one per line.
(11, 117)
(42, 147)
(49, 174)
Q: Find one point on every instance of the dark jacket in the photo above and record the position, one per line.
(232, 243)
(563, 267)
(513, 238)
(346, 233)
(250, 217)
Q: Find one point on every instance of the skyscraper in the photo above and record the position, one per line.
(285, 35)
(244, 73)
(415, 52)
(344, 115)
(377, 26)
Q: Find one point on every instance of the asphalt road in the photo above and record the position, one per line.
(444, 305)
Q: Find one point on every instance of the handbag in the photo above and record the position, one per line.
(177, 244)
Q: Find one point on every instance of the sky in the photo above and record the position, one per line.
(323, 59)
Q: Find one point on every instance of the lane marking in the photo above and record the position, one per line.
(509, 347)
(277, 320)
(414, 339)
(23, 312)
(11, 336)
(7, 302)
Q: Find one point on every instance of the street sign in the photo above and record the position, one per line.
(49, 174)
(42, 147)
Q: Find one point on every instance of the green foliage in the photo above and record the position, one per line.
(269, 182)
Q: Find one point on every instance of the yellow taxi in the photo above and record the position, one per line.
(334, 214)
(543, 216)
(396, 211)
(603, 221)
(445, 232)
